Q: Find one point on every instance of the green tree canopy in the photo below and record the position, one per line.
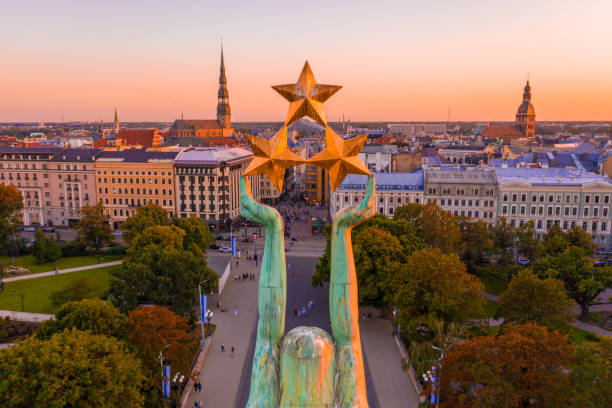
(77, 289)
(45, 249)
(146, 216)
(528, 245)
(555, 241)
(475, 242)
(582, 280)
(531, 299)
(196, 232)
(71, 369)
(433, 285)
(94, 315)
(435, 226)
(158, 269)
(93, 228)
(11, 203)
(503, 234)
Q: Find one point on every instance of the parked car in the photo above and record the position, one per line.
(48, 228)
(247, 239)
(117, 233)
(225, 249)
(522, 261)
(219, 237)
(214, 246)
(605, 252)
(29, 229)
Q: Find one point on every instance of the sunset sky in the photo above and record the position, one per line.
(397, 60)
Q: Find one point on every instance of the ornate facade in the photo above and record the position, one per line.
(525, 116)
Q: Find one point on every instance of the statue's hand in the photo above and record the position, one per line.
(351, 216)
(255, 211)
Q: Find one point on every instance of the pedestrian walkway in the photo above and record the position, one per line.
(220, 374)
(25, 316)
(61, 271)
(393, 387)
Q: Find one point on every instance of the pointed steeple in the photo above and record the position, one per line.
(116, 122)
(223, 107)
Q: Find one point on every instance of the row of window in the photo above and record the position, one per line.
(135, 191)
(203, 197)
(134, 202)
(202, 179)
(469, 203)
(137, 173)
(550, 210)
(557, 198)
(43, 166)
(138, 180)
(594, 226)
(462, 191)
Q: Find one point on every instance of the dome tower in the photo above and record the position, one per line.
(525, 116)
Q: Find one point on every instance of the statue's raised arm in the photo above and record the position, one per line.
(343, 303)
(271, 301)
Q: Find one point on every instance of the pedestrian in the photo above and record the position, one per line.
(235, 311)
(303, 311)
(295, 311)
(232, 351)
(196, 404)
(363, 316)
(222, 347)
(218, 304)
(299, 312)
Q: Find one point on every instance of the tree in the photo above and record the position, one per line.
(157, 328)
(528, 245)
(93, 229)
(524, 366)
(196, 232)
(158, 269)
(531, 299)
(71, 369)
(77, 289)
(503, 234)
(94, 315)
(434, 225)
(11, 203)
(591, 374)
(45, 249)
(475, 241)
(583, 281)
(577, 236)
(433, 286)
(146, 216)
(554, 241)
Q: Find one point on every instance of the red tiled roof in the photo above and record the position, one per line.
(99, 143)
(139, 137)
(502, 132)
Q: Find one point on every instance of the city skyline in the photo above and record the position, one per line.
(159, 62)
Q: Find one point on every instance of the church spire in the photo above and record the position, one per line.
(116, 122)
(223, 107)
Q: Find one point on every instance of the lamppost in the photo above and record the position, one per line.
(21, 295)
(202, 315)
(437, 377)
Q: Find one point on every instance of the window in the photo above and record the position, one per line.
(534, 198)
(550, 198)
(505, 197)
(606, 199)
(523, 197)
(522, 210)
(595, 212)
(533, 210)
(539, 225)
(596, 198)
(514, 197)
(557, 210)
(513, 210)
(550, 210)
(587, 198)
(586, 212)
(605, 212)
(568, 198)
(505, 209)
(604, 226)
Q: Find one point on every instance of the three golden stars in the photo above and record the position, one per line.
(306, 97)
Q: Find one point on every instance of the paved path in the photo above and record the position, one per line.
(25, 316)
(61, 271)
(576, 323)
(393, 387)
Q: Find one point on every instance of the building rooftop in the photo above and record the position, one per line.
(550, 176)
(76, 155)
(460, 174)
(136, 156)
(139, 137)
(31, 150)
(413, 181)
(212, 156)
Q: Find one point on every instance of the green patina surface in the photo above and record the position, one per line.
(307, 367)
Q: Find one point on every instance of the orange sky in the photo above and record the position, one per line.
(396, 60)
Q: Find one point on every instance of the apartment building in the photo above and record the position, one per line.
(207, 183)
(24, 167)
(463, 191)
(316, 185)
(556, 196)
(70, 177)
(392, 190)
(128, 179)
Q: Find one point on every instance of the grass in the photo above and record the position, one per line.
(578, 336)
(38, 291)
(491, 307)
(27, 261)
(496, 286)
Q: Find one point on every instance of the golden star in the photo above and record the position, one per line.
(340, 157)
(272, 157)
(306, 97)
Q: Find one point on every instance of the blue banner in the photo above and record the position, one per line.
(166, 388)
(233, 246)
(203, 308)
(166, 371)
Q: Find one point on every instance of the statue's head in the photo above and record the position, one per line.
(307, 368)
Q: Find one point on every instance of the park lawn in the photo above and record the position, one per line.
(578, 336)
(491, 307)
(38, 291)
(27, 261)
(495, 286)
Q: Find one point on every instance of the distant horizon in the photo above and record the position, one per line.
(394, 59)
